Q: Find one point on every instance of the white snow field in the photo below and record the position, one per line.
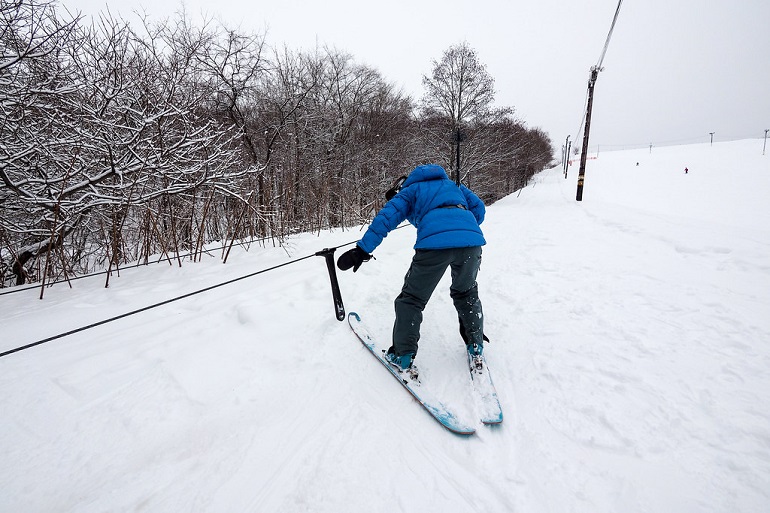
(630, 349)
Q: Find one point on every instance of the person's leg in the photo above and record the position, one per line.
(425, 272)
(465, 293)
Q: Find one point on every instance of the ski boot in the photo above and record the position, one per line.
(404, 364)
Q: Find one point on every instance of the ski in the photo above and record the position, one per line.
(481, 380)
(431, 404)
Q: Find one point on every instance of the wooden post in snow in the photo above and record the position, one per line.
(582, 172)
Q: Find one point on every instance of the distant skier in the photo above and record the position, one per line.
(447, 218)
(686, 170)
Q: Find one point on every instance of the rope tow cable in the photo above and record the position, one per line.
(325, 252)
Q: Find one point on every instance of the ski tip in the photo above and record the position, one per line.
(354, 314)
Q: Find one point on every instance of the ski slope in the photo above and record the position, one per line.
(630, 349)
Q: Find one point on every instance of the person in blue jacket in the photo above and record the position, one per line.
(447, 218)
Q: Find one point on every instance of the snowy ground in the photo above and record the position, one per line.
(630, 348)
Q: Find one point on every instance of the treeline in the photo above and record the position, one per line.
(119, 142)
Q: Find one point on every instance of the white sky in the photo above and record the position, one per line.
(674, 71)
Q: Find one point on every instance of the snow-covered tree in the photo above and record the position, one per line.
(122, 141)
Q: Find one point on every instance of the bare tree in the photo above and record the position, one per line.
(102, 120)
(32, 81)
(460, 87)
(459, 94)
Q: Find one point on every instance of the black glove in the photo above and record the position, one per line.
(353, 258)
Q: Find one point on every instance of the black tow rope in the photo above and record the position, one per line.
(327, 253)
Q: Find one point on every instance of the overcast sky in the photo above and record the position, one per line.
(675, 70)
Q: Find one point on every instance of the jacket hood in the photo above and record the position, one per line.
(425, 173)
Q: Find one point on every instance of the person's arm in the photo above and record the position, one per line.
(388, 218)
(475, 205)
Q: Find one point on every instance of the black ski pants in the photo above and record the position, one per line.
(427, 268)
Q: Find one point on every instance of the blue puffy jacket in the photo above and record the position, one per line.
(445, 215)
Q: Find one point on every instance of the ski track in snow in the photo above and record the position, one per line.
(629, 349)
